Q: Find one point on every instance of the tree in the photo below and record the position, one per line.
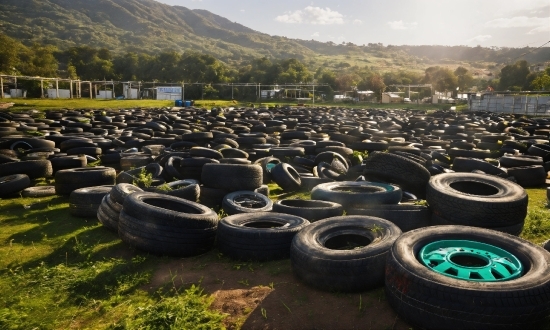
(9, 54)
(514, 76)
(442, 79)
(542, 82)
(464, 78)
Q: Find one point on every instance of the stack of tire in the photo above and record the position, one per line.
(85, 202)
(111, 205)
(167, 225)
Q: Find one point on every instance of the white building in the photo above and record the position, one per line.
(169, 93)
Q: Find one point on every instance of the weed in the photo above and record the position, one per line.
(164, 187)
(143, 179)
(286, 307)
(244, 282)
(222, 214)
(272, 285)
(421, 202)
(264, 313)
(376, 229)
(34, 133)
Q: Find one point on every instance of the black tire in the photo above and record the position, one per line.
(529, 176)
(212, 197)
(286, 177)
(122, 190)
(32, 168)
(311, 210)
(107, 215)
(67, 162)
(205, 152)
(246, 202)
(164, 238)
(320, 257)
(38, 191)
(476, 153)
(429, 300)
(477, 199)
(66, 181)
(546, 245)
(514, 229)
(266, 164)
(351, 194)
(461, 164)
(405, 216)
(518, 161)
(191, 192)
(84, 202)
(408, 174)
(232, 177)
(258, 236)
(169, 211)
(13, 184)
(308, 183)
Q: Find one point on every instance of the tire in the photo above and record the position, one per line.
(205, 152)
(515, 229)
(310, 210)
(66, 181)
(267, 163)
(163, 238)
(405, 216)
(123, 190)
(320, 259)
(529, 176)
(169, 211)
(67, 162)
(308, 183)
(246, 202)
(212, 197)
(477, 199)
(286, 177)
(32, 168)
(85, 202)
(13, 184)
(430, 300)
(518, 161)
(107, 215)
(38, 191)
(546, 245)
(258, 236)
(409, 175)
(232, 177)
(461, 164)
(357, 194)
(481, 154)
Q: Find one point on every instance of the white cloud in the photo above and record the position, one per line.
(242, 10)
(543, 28)
(518, 21)
(400, 25)
(316, 34)
(312, 15)
(357, 22)
(480, 38)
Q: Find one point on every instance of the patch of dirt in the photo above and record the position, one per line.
(269, 296)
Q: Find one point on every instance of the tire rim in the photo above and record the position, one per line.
(250, 201)
(471, 261)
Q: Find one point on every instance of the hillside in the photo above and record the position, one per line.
(149, 26)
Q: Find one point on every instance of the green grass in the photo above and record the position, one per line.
(61, 272)
(53, 104)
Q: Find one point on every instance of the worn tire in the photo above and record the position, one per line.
(122, 190)
(405, 216)
(38, 191)
(312, 210)
(332, 268)
(286, 177)
(351, 194)
(477, 199)
(232, 177)
(13, 184)
(408, 174)
(514, 229)
(429, 300)
(32, 168)
(246, 202)
(258, 236)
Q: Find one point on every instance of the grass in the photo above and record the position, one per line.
(61, 272)
(53, 104)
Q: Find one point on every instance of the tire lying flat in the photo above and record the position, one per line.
(427, 299)
(343, 254)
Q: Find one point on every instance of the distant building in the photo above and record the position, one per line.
(391, 98)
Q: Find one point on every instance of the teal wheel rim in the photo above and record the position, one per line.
(471, 261)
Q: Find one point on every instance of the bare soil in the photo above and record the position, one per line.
(269, 296)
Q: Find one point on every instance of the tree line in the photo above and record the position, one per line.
(87, 63)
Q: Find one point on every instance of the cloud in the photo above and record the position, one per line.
(518, 21)
(400, 25)
(544, 28)
(316, 34)
(480, 38)
(357, 22)
(312, 15)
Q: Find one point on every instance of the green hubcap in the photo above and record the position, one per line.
(471, 261)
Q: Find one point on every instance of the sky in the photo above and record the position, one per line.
(500, 23)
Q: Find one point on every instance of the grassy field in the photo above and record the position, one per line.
(62, 272)
(50, 104)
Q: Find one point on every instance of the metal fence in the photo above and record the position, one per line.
(527, 104)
